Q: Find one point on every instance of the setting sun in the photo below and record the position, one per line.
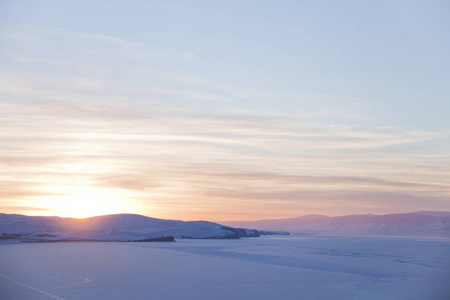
(87, 201)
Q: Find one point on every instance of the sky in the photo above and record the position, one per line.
(224, 110)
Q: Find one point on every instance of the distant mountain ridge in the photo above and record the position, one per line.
(120, 227)
(416, 224)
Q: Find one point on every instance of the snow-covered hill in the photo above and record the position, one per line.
(417, 224)
(121, 227)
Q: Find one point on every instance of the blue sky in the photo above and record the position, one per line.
(202, 109)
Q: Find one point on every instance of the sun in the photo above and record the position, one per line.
(81, 201)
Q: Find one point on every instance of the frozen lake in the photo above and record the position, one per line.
(257, 268)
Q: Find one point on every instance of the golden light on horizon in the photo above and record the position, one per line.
(81, 201)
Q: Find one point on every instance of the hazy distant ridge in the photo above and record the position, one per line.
(418, 224)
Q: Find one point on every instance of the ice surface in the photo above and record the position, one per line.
(266, 268)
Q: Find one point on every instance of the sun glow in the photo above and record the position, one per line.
(79, 201)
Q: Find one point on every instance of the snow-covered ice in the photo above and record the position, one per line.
(285, 267)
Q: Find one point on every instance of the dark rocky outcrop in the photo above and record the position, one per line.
(243, 232)
(265, 232)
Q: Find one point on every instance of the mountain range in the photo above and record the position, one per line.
(131, 227)
(416, 224)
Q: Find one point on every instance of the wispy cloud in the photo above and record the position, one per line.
(163, 171)
(96, 43)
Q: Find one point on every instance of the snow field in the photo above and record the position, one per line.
(260, 268)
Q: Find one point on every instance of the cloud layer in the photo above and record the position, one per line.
(172, 146)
